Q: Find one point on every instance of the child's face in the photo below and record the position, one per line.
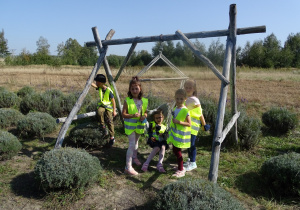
(99, 84)
(189, 88)
(158, 118)
(135, 90)
(179, 99)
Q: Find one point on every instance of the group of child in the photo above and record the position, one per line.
(186, 122)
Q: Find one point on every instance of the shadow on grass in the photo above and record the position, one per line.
(252, 184)
(26, 186)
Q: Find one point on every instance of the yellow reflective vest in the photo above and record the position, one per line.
(134, 124)
(179, 135)
(105, 100)
(195, 115)
(161, 131)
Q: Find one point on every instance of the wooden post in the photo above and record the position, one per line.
(232, 36)
(201, 57)
(216, 146)
(131, 50)
(65, 126)
(108, 72)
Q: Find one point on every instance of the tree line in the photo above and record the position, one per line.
(267, 53)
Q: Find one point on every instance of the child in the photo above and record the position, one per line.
(134, 113)
(194, 106)
(156, 141)
(180, 130)
(106, 106)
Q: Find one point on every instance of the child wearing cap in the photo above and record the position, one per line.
(106, 106)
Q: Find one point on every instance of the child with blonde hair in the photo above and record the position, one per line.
(180, 130)
(197, 119)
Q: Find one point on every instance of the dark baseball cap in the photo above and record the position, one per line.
(100, 78)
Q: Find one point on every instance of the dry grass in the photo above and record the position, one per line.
(259, 89)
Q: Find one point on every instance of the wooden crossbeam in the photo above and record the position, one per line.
(170, 37)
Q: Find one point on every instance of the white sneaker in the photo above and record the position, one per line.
(187, 163)
(191, 166)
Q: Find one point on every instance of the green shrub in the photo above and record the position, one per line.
(2, 89)
(280, 119)
(8, 99)
(282, 174)
(75, 95)
(88, 134)
(9, 145)
(25, 91)
(9, 117)
(67, 168)
(210, 111)
(54, 93)
(61, 106)
(36, 124)
(35, 102)
(92, 106)
(195, 194)
(154, 101)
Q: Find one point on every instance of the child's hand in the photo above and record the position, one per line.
(142, 118)
(176, 121)
(136, 115)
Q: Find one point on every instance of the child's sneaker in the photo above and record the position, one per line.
(111, 142)
(160, 168)
(145, 167)
(131, 171)
(186, 163)
(179, 174)
(191, 166)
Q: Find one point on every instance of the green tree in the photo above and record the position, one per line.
(215, 53)
(201, 47)
(69, 52)
(272, 50)
(42, 55)
(3, 45)
(88, 56)
(292, 46)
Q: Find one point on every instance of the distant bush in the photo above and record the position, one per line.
(61, 106)
(25, 91)
(67, 168)
(36, 124)
(92, 106)
(9, 117)
(54, 93)
(281, 173)
(9, 145)
(35, 102)
(154, 101)
(210, 112)
(280, 119)
(88, 134)
(195, 194)
(8, 99)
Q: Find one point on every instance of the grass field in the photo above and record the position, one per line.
(257, 89)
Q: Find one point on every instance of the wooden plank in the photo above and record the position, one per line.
(170, 37)
(108, 71)
(228, 127)
(232, 36)
(216, 147)
(201, 57)
(76, 117)
(131, 50)
(163, 79)
(66, 125)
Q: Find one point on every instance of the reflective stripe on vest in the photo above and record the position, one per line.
(134, 124)
(104, 100)
(196, 123)
(179, 135)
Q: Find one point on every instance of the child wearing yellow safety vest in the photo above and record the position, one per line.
(180, 130)
(197, 119)
(156, 140)
(134, 113)
(106, 106)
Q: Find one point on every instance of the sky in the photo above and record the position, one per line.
(24, 22)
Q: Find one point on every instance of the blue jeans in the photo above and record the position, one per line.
(192, 150)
